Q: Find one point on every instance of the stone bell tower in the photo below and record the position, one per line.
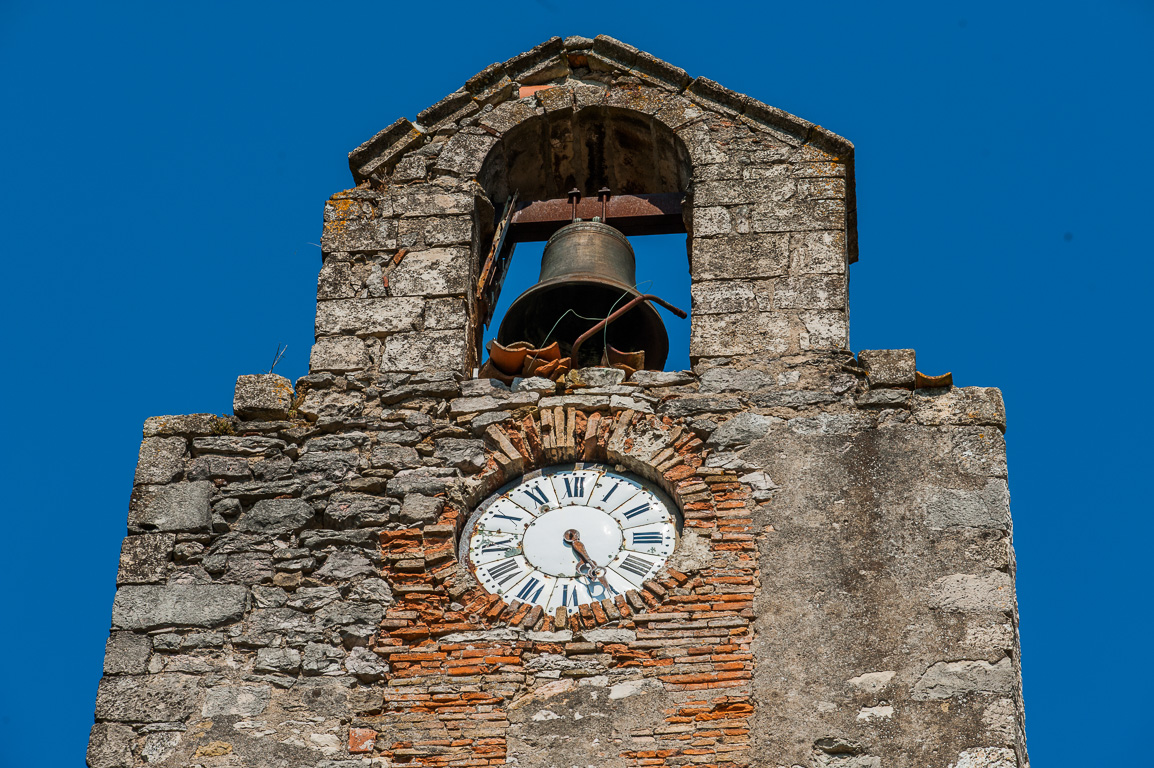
(300, 584)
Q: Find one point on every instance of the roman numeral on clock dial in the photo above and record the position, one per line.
(504, 571)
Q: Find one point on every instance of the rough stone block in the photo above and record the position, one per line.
(464, 154)
(424, 350)
(661, 378)
(359, 235)
(323, 697)
(884, 398)
(411, 168)
(510, 114)
(740, 256)
(247, 568)
(395, 457)
(987, 757)
(183, 605)
(798, 216)
(889, 367)
(337, 281)
(262, 396)
(817, 253)
(344, 564)
(339, 354)
(161, 460)
(193, 425)
(968, 593)
(435, 272)
(366, 665)
(447, 106)
(432, 199)
(277, 660)
(219, 468)
(964, 406)
(183, 507)
(593, 377)
(979, 451)
(110, 746)
(464, 454)
(367, 316)
(126, 653)
(276, 516)
(358, 203)
(445, 314)
(712, 221)
(163, 698)
(811, 292)
(447, 230)
(691, 405)
(947, 679)
(821, 189)
(731, 297)
(726, 379)
(792, 398)
(747, 333)
(144, 559)
(704, 148)
(420, 509)
(773, 187)
(242, 700)
(742, 429)
(228, 445)
(988, 507)
(823, 330)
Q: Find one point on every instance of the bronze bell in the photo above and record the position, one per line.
(588, 271)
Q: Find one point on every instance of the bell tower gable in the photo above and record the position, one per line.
(765, 200)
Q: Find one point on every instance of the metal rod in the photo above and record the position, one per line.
(616, 315)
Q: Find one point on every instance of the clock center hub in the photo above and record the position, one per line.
(547, 550)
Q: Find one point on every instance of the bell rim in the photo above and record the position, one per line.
(646, 307)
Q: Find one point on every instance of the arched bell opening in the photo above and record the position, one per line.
(545, 157)
(623, 176)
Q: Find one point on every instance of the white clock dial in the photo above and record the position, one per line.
(570, 535)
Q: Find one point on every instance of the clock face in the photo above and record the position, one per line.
(570, 535)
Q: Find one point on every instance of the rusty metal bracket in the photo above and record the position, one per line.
(616, 315)
(656, 214)
(496, 264)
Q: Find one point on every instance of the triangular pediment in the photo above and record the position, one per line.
(561, 59)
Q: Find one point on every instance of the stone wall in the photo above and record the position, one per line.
(842, 596)
(289, 591)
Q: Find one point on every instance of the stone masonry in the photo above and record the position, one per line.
(842, 596)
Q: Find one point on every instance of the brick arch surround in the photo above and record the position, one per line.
(511, 661)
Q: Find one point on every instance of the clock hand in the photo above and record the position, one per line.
(573, 538)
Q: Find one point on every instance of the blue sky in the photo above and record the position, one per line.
(164, 172)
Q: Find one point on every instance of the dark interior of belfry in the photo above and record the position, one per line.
(584, 181)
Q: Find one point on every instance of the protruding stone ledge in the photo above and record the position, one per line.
(963, 406)
(889, 367)
(267, 397)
